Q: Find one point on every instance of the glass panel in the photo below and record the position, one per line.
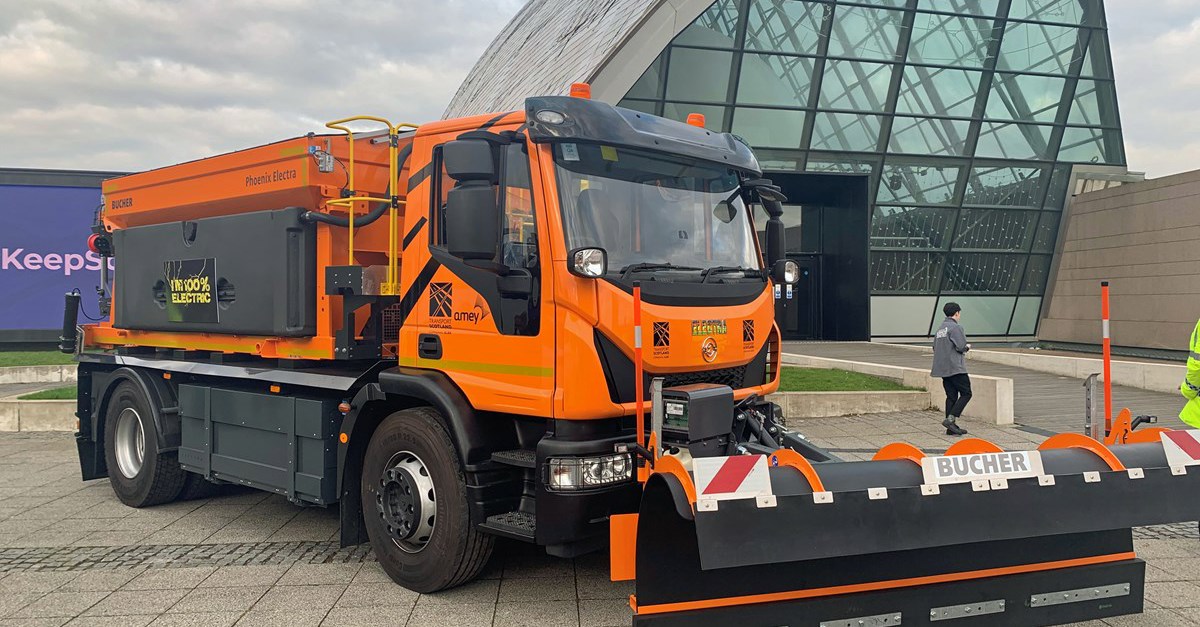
(714, 117)
(950, 40)
(771, 79)
(1097, 62)
(865, 33)
(1013, 141)
(921, 184)
(699, 75)
(845, 131)
(1025, 98)
(1047, 232)
(985, 8)
(981, 315)
(769, 127)
(938, 91)
(1004, 185)
(983, 272)
(897, 271)
(994, 229)
(716, 27)
(779, 159)
(1025, 317)
(854, 85)
(928, 137)
(1036, 273)
(785, 25)
(649, 85)
(1095, 104)
(1057, 193)
(1038, 48)
(901, 315)
(1060, 11)
(846, 164)
(645, 106)
(911, 227)
(1091, 145)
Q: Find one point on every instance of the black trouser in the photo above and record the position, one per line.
(958, 393)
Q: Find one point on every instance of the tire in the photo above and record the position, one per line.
(452, 552)
(197, 487)
(154, 479)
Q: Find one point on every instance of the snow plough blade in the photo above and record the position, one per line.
(904, 539)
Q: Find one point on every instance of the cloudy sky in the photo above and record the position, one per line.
(133, 84)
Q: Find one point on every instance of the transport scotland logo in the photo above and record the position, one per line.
(662, 334)
(441, 300)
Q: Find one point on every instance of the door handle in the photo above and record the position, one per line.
(429, 346)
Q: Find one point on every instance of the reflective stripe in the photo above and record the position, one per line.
(1191, 387)
(637, 337)
(1104, 326)
(1194, 355)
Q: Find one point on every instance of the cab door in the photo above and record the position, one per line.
(486, 322)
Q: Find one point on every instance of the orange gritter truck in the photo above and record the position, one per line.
(439, 330)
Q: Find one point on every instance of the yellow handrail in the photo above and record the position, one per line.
(394, 202)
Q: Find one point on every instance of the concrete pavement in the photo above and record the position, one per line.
(71, 554)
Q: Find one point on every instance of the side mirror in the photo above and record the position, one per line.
(785, 271)
(589, 263)
(470, 160)
(472, 209)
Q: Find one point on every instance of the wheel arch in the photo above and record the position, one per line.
(400, 388)
(164, 409)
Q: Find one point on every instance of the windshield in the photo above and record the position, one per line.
(653, 208)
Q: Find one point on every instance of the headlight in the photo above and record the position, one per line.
(590, 263)
(791, 272)
(581, 473)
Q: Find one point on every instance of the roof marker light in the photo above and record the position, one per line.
(581, 90)
(696, 119)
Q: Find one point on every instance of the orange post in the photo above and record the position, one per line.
(639, 393)
(1106, 343)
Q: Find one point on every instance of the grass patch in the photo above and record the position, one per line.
(53, 394)
(832, 380)
(34, 358)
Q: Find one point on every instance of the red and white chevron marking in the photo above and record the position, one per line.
(1182, 447)
(737, 477)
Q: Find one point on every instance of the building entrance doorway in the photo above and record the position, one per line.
(827, 221)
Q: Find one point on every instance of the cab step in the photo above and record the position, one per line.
(516, 525)
(521, 458)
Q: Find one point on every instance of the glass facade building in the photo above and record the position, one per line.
(967, 116)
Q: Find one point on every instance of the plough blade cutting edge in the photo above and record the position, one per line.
(876, 544)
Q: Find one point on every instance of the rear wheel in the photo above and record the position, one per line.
(414, 501)
(139, 474)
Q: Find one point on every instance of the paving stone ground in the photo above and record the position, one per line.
(71, 554)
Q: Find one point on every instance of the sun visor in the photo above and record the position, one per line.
(561, 118)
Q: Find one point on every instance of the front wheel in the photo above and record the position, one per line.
(414, 502)
(139, 474)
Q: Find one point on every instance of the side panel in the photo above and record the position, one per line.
(281, 444)
(250, 274)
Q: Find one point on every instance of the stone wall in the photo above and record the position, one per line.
(1144, 238)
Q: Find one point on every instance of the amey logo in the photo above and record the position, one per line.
(477, 314)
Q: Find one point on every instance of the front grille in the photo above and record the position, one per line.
(734, 377)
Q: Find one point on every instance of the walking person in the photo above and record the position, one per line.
(950, 364)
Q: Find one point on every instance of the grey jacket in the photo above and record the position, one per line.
(949, 348)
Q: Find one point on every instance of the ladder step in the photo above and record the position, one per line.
(515, 525)
(521, 458)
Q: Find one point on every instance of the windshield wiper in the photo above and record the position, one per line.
(641, 267)
(724, 269)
